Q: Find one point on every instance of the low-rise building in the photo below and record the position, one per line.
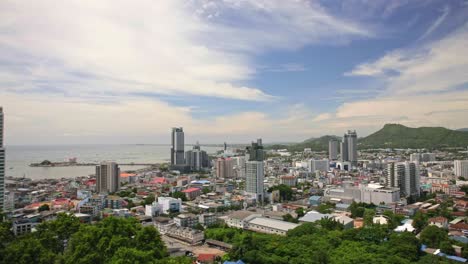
(207, 219)
(186, 220)
(270, 226)
(192, 193)
(439, 221)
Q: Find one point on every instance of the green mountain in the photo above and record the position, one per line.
(399, 136)
(316, 144)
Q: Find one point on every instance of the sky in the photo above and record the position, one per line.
(87, 72)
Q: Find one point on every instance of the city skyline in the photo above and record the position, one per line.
(283, 70)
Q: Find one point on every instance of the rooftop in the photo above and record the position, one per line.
(278, 224)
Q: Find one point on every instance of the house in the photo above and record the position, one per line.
(192, 193)
(407, 226)
(186, 220)
(380, 219)
(315, 200)
(439, 221)
(206, 258)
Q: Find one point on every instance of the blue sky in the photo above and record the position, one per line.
(229, 70)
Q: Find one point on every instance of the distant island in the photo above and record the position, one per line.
(72, 163)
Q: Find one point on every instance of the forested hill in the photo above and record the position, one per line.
(392, 136)
(399, 136)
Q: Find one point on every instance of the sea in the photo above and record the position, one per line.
(18, 158)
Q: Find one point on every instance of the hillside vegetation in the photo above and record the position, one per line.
(392, 136)
(399, 136)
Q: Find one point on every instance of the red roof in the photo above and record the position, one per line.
(126, 175)
(189, 190)
(206, 257)
(158, 180)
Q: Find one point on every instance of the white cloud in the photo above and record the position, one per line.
(159, 47)
(434, 67)
(437, 22)
(423, 86)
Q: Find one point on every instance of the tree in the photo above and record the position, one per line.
(285, 191)
(432, 236)
(180, 195)
(44, 207)
(300, 212)
(369, 216)
(464, 188)
(206, 190)
(149, 199)
(419, 220)
(199, 226)
(290, 218)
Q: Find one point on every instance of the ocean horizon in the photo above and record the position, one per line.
(19, 157)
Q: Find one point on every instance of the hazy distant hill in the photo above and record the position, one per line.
(463, 129)
(399, 136)
(317, 144)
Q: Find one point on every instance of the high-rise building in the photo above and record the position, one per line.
(177, 146)
(107, 177)
(254, 179)
(390, 179)
(422, 157)
(333, 148)
(348, 147)
(2, 164)
(239, 166)
(318, 165)
(461, 168)
(196, 158)
(225, 168)
(407, 176)
(255, 152)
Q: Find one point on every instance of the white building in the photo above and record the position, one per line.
(169, 204)
(461, 168)
(318, 165)
(371, 193)
(254, 179)
(107, 177)
(288, 180)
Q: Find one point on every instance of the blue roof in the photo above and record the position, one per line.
(232, 262)
(315, 198)
(342, 206)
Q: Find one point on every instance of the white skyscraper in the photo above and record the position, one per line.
(254, 179)
(461, 168)
(107, 177)
(2, 163)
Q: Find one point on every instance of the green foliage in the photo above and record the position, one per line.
(285, 191)
(300, 212)
(419, 220)
(290, 218)
(199, 226)
(433, 237)
(321, 242)
(44, 207)
(113, 240)
(464, 188)
(399, 136)
(149, 199)
(325, 208)
(180, 195)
